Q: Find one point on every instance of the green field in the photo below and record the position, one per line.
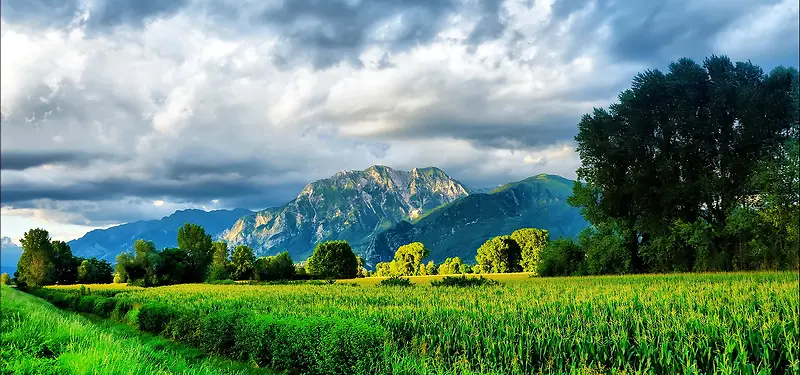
(736, 323)
(37, 338)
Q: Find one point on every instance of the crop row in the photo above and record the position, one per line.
(714, 323)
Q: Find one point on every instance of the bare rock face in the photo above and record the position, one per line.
(350, 205)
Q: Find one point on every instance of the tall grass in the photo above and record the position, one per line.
(37, 338)
(741, 323)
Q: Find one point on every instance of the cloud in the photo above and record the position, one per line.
(214, 103)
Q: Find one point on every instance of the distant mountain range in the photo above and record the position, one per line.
(376, 210)
(108, 243)
(351, 205)
(9, 255)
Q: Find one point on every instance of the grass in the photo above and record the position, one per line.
(38, 338)
(724, 323)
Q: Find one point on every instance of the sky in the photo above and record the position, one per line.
(123, 110)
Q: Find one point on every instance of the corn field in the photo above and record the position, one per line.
(740, 323)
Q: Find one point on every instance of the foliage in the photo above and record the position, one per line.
(65, 266)
(173, 267)
(193, 240)
(451, 266)
(278, 267)
(464, 281)
(531, 242)
(562, 257)
(682, 147)
(220, 262)
(499, 255)
(396, 281)
(243, 263)
(5, 279)
(36, 263)
(605, 251)
(333, 259)
(95, 271)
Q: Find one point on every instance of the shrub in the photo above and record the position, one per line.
(218, 331)
(153, 317)
(396, 281)
(86, 303)
(121, 309)
(103, 307)
(463, 281)
(5, 279)
(562, 257)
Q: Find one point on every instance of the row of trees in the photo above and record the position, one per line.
(695, 169)
(44, 261)
(518, 252)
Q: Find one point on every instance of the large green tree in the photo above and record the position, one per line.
(499, 255)
(95, 271)
(680, 146)
(220, 262)
(333, 260)
(36, 265)
(65, 267)
(531, 242)
(243, 263)
(193, 239)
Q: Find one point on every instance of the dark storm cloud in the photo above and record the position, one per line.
(105, 14)
(17, 160)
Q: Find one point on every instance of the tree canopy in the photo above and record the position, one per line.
(333, 259)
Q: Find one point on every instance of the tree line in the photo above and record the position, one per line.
(196, 259)
(44, 261)
(518, 252)
(695, 169)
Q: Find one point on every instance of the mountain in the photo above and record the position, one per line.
(460, 227)
(351, 205)
(108, 243)
(9, 255)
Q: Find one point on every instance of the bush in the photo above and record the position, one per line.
(186, 328)
(5, 279)
(218, 331)
(154, 317)
(463, 281)
(86, 303)
(396, 281)
(121, 309)
(103, 307)
(562, 257)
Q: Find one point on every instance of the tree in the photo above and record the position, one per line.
(220, 265)
(5, 279)
(193, 239)
(408, 259)
(36, 263)
(124, 261)
(451, 266)
(147, 258)
(278, 267)
(362, 271)
(334, 260)
(499, 255)
(531, 242)
(243, 263)
(172, 269)
(94, 271)
(65, 269)
(383, 269)
(562, 257)
(680, 147)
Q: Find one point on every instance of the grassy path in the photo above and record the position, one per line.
(38, 338)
